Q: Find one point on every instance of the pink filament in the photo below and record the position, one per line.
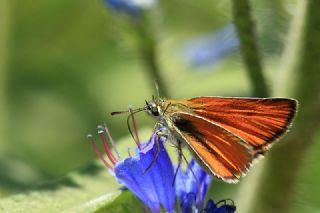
(96, 150)
(106, 147)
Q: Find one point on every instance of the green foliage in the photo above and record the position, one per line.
(91, 189)
(77, 192)
(305, 198)
(126, 202)
(246, 32)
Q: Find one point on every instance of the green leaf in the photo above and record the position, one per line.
(91, 189)
(77, 192)
(125, 202)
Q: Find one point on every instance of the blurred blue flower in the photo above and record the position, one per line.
(212, 48)
(130, 7)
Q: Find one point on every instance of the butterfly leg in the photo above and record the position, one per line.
(159, 130)
(192, 172)
(179, 161)
(158, 135)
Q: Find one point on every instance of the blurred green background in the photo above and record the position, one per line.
(65, 65)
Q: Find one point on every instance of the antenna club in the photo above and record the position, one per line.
(118, 112)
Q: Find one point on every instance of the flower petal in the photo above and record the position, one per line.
(154, 187)
(187, 186)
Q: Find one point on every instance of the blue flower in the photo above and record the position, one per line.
(152, 186)
(191, 187)
(210, 49)
(191, 198)
(130, 7)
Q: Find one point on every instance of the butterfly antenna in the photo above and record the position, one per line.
(157, 89)
(118, 112)
(126, 111)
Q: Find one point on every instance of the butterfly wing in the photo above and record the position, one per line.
(258, 121)
(225, 155)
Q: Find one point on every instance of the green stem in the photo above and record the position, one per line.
(249, 46)
(148, 50)
(4, 37)
(277, 186)
(283, 82)
(150, 59)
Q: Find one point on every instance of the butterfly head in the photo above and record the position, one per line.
(152, 108)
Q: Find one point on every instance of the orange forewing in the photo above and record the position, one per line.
(257, 121)
(223, 154)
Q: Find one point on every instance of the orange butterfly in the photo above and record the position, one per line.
(224, 134)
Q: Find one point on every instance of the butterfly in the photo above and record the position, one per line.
(225, 134)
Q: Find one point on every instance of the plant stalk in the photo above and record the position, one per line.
(249, 46)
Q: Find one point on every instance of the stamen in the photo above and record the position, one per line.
(105, 145)
(145, 209)
(111, 140)
(135, 128)
(98, 153)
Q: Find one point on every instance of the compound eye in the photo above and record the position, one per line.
(155, 113)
